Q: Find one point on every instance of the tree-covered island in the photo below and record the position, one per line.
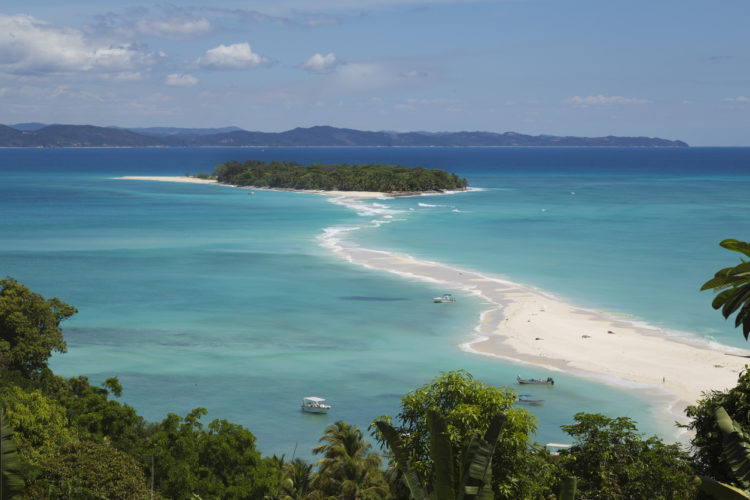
(396, 179)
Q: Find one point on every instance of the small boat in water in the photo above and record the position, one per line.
(446, 298)
(526, 400)
(314, 404)
(535, 381)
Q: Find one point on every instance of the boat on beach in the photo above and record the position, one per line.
(535, 381)
(446, 298)
(313, 404)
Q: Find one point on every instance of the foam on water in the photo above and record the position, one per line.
(224, 300)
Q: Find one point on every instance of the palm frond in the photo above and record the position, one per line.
(11, 481)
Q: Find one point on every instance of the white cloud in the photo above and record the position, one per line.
(315, 20)
(229, 57)
(602, 99)
(413, 73)
(180, 80)
(123, 76)
(175, 29)
(741, 98)
(29, 46)
(319, 63)
(405, 107)
(435, 100)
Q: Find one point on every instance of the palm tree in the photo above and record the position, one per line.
(349, 469)
(733, 283)
(296, 481)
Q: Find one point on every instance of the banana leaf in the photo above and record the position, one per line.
(720, 491)
(736, 447)
(477, 461)
(442, 458)
(568, 488)
(11, 481)
(401, 458)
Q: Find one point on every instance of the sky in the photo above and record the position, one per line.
(675, 70)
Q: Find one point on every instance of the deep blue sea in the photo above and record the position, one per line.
(199, 295)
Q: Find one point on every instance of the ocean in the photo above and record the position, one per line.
(217, 297)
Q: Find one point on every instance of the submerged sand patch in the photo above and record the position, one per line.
(523, 324)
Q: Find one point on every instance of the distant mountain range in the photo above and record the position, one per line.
(71, 136)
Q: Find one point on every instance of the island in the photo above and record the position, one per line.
(391, 179)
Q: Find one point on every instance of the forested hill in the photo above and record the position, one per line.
(341, 177)
(39, 135)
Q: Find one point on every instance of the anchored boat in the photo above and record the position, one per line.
(535, 381)
(446, 298)
(314, 404)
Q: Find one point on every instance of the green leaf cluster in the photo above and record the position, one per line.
(341, 177)
(467, 406)
(612, 460)
(219, 461)
(349, 469)
(706, 444)
(474, 478)
(89, 470)
(29, 328)
(733, 287)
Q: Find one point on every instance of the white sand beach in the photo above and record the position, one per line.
(195, 180)
(530, 326)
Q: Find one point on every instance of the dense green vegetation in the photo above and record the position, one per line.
(453, 438)
(342, 177)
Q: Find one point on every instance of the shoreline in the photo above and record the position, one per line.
(338, 194)
(527, 326)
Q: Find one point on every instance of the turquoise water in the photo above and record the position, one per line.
(207, 296)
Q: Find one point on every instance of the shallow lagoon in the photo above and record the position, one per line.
(207, 296)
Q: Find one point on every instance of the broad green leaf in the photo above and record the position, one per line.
(442, 457)
(11, 481)
(568, 488)
(411, 478)
(736, 447)
(721, 491)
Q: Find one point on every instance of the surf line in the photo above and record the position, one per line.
(529, 326)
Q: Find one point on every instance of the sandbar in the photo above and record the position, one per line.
(195, 180)
(526, 325)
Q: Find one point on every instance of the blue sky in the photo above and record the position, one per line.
(677, 70)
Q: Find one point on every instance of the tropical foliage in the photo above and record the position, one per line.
(29, 328)
(707, 448)
(733, 287)
(11, 480)
(66, 438)
(468, 407)
(341, 177)
(349, 469)
(612, 460)
(474, 477)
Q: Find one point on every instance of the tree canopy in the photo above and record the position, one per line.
(467, 407)
(341, 177)
(29, 327)
(612, 460)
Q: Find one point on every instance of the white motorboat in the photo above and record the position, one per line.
(314, 404)
(446, 298)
